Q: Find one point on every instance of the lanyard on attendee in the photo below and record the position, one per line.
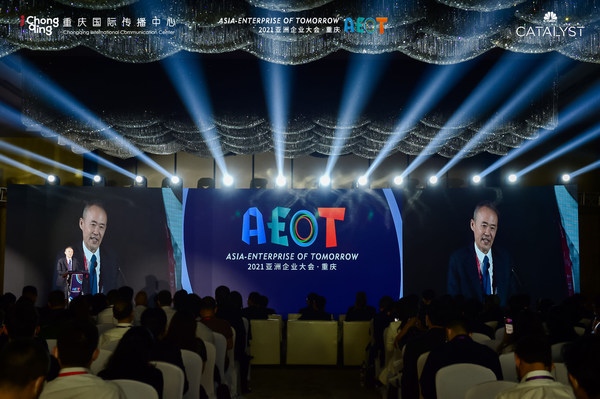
(540, 377)
(72, 373)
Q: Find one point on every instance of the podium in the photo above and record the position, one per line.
(75, 281)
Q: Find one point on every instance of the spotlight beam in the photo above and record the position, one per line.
(36, 157)
(585, 169)
(15, 118)
(22, 166)
(361, 80)
(576, 111)
(277, 91)
(192, 89)
(478, 101)
(578, 141)
(64, 102)
(527, 93)
(429, 92)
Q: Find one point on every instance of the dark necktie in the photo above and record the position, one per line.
(70, 265)
(485, 276)
(93, 279)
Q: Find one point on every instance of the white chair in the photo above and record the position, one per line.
(100, 363)
(480, 338)
(51, 345)
(509, 368)
(489, 390)
(453, 382)
(492, 323)
(499, 334)
(420, 365)
(560, 373)
(355, 336)
(221, 348)
(342, 318)
(493, 344)
(233, 369)
(580, 330)
(294, 316)
(204, 333)
(193, 369)
(264, 345)
(208, 375)
(173, 379)
(136, 389)
(557, 352)
(312, 342)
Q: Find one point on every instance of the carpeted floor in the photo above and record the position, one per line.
(295, 382)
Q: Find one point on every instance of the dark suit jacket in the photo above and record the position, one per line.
(109, 272)
(461, 349)
(463, 274)
(62, 267)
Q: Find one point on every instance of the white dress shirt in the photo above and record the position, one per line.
(88, 263)
(480, 256)
(538, 384)
(80, 383)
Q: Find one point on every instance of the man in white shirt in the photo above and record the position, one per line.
(123, 312)
(75, 350)
(164, 300)
(533, 358)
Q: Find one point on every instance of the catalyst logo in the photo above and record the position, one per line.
(555, 31)
(550, 17)
(40, 25)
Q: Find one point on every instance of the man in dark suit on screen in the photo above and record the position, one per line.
(64, 265)
(478, 270)
(96, 261)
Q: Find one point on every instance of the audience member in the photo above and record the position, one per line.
(123, 312)
(560, 325)
(53, 318)
(179, 299)
(30, 292)
(208, 309)
(24, 365)
(141, 304)
(317, 312)
(380, 322)
(583, 365)
(525, 323)
(360, 311)
(131, 360)
(460, 348)
(76, 349)
(310, 299)
(164, 300)
(533, 358)
(106, 315)
(254, 311)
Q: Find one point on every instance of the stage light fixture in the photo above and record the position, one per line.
(281, 181)
(362, 181)
(325, 181)
(228, 180)
(98, 181)
(52, 180)
(175, 180)
(512, 178)
(566, 178)
(398, 180)
(433, 180)
(476, 179)
(140, 181)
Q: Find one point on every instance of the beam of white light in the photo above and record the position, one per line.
(188, 79)
(228, 180)
(578, 141)
(579, 109)
(325, 180)
(479, 101)
(22, 166)
(61, 100)
(529, 92)
(430, 91)
(362, 77)
(585, 169)
(38, 158)
(15, 119)
(277, 84)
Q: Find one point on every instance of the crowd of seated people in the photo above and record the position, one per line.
(143, 331)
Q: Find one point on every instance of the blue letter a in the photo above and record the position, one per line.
(259, 232)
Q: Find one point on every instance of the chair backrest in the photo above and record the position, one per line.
(247, 329)
(499, 334)
(342, 318)
(420, 365)
(294, 316)
(221, 347)
(453, 382)
(312, 342)
(493, 344)
(100, 363)
(136, 389)
(193, 369)
(204, 333)
(492, 323)
(480, 338)
(579, 330)
(489, 389)
(232, 372)
(509, 368)
(265, 345)
(557, 352)
(355, 336)
(51, 344)
(560, 373)
(173, 379)
(208, 375)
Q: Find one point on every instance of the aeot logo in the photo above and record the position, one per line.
(303, 226)
(555, 31)
(40, 25)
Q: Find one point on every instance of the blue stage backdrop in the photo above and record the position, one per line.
(288, 243)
